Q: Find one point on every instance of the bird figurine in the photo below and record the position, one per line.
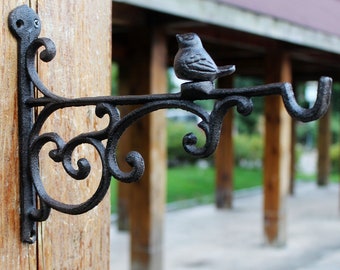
(193, 63)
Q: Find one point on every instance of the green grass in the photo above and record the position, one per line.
(190, 182)
(334, 177)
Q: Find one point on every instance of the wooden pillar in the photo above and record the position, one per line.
(324, 141)
(277, 153)
(147, 68)
(81, 31)
(224, 158)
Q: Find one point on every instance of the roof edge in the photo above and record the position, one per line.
(229, 16)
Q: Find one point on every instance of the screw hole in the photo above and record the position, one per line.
(20, 23)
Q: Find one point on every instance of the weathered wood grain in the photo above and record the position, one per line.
(81, 31)
(277, 153)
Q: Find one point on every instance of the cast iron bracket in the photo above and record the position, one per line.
(25, 26)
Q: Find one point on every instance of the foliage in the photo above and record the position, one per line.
(114, 79)
(335, 120)
(335, 157)
(248, 150)
(250, 123)
(175, 133)
(306, 134)
(335, 100)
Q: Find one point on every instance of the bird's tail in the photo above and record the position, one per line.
(225, 70)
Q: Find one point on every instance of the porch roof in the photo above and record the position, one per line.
(314, 25)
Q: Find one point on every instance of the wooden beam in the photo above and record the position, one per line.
(147, 68)
(82, 67)
(277, 153)
(324, 141)
(224, 157)
(127, 15)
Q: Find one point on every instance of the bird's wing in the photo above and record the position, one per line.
(201, 63)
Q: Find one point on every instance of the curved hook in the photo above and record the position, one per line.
(320, 106)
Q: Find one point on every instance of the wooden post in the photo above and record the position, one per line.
(123, 190)
(277, 153)
(224, 158)
(81, 31)
(147, 65)
(324, 141)
(13, 253)
(82, 67)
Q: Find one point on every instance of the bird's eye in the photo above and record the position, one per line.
(189, 37)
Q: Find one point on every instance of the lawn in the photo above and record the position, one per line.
(190, 182)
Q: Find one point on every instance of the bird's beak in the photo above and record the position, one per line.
(179, 38)
(232, 69)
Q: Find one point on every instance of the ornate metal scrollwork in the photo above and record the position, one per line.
(25, 25)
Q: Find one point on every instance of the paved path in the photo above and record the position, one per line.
(205, 238)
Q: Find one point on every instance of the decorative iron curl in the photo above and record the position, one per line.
(134, 159)
(63, 153)
(46, 55)
(212, 126)
(25, 25)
